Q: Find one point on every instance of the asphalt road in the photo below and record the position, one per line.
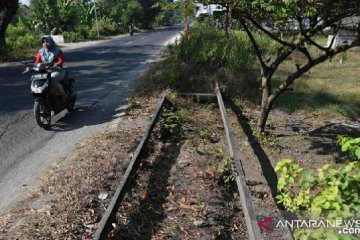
(105, 73)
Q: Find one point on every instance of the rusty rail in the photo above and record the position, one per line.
(110, 213)
(245, 197)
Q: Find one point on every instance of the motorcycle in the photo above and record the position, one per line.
(48, 104)
(131, 29)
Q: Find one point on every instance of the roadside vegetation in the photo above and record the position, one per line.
(308, 120)
(77, 20)
(327, 193)
(197, 61)
(294, 27)
(312, 133)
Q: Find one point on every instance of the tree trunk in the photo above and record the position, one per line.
(9, 9)
(2, 40)
(265, 104)
(227, 20)
(263, 118)
(187, 27)
(3, 27)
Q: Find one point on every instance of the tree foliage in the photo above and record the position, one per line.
(285, 22)
(149, 12)
(169, 12)
(75, 19)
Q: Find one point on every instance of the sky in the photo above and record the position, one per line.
(25, 2)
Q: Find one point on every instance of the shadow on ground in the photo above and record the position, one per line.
(144, 220)
(324, 139)
(266, 166)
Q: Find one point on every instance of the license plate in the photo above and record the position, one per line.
(38, 76)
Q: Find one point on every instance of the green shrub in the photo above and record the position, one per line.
(327, 193)
(350, 145)
(13, 32)
(22, 28)
(5, 52)
(26, 41)
(173, 75)
(106, 27)
(334, 190)
(73, 36)
(21, 40)
(208, 46)
(195, 62)
(225, 170)
(21, 46)
(171, 122)
(84, 31)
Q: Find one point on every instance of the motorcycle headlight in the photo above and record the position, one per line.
(38, 86)
(38, 83)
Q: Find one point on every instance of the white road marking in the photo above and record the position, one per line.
(129, 42)
(105, 51)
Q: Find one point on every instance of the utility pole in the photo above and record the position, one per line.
(96, 20)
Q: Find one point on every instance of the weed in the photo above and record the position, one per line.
(171, 123)
(173, 96)
(226, 172)
(200, 206)
(267, 139)
(205, 134)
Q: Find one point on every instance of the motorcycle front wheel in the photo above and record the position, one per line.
(42, 114)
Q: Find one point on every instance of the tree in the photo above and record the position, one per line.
(169, 12)
(69, 14)
(187, 8)
(228, 6)
(46, 13)
(84, 10)
(8, 10)
(130, 12)
(149, 12)
(288, 29)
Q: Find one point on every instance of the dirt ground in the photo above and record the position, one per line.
(179, 193)
(68, 202)
(308, 140)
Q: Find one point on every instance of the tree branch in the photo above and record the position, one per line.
(292, 77)
(255, 44)
(280, 58)
(272, 36)
(308, 39)
(328, 22)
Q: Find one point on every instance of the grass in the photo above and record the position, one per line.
(17, 55)
(331, 89)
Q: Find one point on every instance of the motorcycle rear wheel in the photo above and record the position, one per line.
(42, 115)
(71, 104)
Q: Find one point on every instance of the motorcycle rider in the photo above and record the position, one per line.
(131, 28)
(51, 53)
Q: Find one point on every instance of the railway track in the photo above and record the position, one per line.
(247, 206)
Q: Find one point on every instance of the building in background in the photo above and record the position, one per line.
(202, 9)
(346, 34)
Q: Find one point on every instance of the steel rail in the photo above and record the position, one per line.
(110, 213)
(245, 197)
(198, 94)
